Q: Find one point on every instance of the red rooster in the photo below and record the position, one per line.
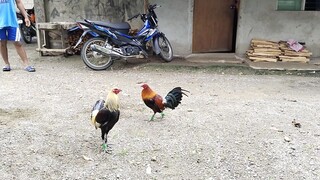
(105, 114)
(155, 102)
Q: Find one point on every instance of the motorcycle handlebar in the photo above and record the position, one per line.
(135, 16)
(89, 22)
(151, 7)
(154, 6)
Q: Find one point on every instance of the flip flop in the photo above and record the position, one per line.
(30, 69)
(6, 68)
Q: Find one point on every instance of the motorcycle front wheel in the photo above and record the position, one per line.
(166, 51)
(25, 33)
(95, 60)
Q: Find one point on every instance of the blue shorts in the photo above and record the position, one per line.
(10, 34)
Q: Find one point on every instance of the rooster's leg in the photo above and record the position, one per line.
(162, 115)
(152, 117)
(104, 138)
(106, 147)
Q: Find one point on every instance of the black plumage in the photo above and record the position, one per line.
(105, 114)
(174, 97)
(107, 119)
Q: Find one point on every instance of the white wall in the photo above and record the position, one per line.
(257, 19)
(28, 4)
(260, 19)
(175, 21)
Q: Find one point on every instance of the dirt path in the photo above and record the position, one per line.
(232, 126)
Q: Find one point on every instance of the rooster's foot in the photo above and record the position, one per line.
(152, 117)
(109, 151)
(107, 148)
(162, 115)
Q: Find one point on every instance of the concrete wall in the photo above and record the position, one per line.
(257, 19)
(28, 4)
(260, 19)
(75, 10)
(175, 17)
(175, 20)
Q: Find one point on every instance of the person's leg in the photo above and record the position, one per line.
(21, 52)
(3, 46)
(4, 52)
(14, 35)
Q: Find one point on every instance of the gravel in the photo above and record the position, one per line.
(233, 125)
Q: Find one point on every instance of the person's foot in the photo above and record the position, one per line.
(30, 69)
(6, 68)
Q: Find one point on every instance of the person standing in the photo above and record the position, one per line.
(9, 31)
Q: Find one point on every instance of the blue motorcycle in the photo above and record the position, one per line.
(111, 41)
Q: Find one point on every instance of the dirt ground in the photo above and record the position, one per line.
(233, 125)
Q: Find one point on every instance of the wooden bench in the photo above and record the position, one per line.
(53, 37)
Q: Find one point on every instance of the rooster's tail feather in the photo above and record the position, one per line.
(174, 97)
(96, 108)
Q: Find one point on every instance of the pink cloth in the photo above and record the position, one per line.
(294, 45)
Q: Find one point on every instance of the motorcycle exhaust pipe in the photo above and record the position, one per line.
(102, 50)
(108, 51)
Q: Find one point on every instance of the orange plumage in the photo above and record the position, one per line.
(155, 102)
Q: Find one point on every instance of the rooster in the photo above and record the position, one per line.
(155, 102)
(105, 114)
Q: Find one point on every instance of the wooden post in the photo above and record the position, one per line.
(40, 11)
(146, 4)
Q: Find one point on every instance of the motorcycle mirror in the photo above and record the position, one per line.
(20, 21)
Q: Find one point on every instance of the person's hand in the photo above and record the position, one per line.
(27, 20)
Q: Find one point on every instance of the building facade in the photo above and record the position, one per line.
(202, 26)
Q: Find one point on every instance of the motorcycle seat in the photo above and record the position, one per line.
(121, 26)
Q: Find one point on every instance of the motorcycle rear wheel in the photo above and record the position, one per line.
(166, 51)
(25, 33)
(93, 59)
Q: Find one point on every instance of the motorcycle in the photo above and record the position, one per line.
(27, 33)
(111, 41)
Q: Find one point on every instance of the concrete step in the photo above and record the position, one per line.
(232, 58)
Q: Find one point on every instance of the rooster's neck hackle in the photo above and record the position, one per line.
(148, 93)
(112, 102)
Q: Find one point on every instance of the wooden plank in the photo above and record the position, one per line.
(51, 50)
(266, 50)
(266, 54)
(266, 46)
(48, 26)
(261, 41)
(260, 59)
(297, 54)
(295, 60)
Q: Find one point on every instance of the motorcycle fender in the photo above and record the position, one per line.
(93, 34)
(75, 28)
(155, 45)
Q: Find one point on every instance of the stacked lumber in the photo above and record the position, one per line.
(73, 38)
(289, 55)
(271, 51)
(263, 50)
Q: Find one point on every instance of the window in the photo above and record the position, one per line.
(299, 5)
(289, 5)
(312, 5)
